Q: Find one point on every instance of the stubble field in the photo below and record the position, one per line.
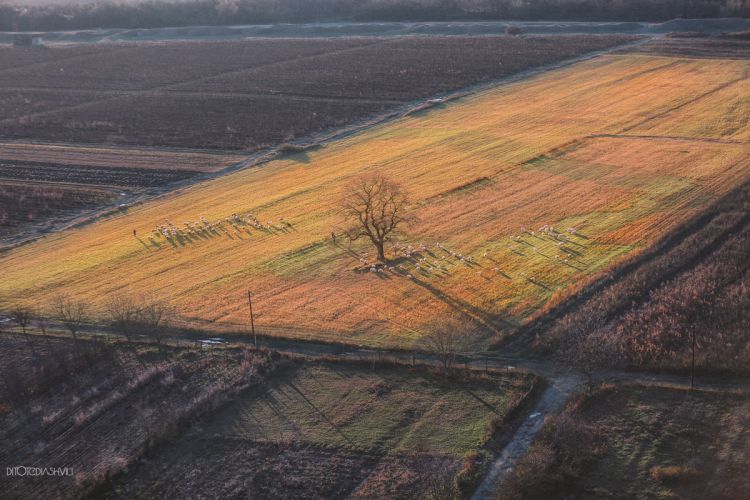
(521, 191)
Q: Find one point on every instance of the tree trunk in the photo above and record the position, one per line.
(381, 251)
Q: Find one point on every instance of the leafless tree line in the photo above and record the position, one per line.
(129, 316)
(38, 16)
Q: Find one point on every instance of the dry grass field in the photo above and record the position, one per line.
(97, 407)
(644, 313)
(487, 174)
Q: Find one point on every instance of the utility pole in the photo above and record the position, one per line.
(252, 320)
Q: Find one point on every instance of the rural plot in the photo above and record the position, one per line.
(337, 429)
(521, 191)
(249, 94)
(105, 165)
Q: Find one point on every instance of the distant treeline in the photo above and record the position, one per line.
(155, 14)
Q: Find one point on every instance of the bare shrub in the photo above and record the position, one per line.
(564, 446)
(22, 316)
(446, 340)
(70, 312)
(124, 315)
(42, 323)
(470, 473)
(533, 476)
(155, 318)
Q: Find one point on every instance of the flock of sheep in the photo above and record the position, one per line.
(424, 260)
(204, 227)
(410, 260)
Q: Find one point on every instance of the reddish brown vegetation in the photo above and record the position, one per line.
(222, 466)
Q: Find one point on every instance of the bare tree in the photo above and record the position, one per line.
(124, 315)
(70, 312)
(42, 323)
(376, 206)
(22, 316)
(589, 351)
(156, 316)
(446, 341)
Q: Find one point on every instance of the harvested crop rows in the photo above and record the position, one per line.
(28, 202)
(521, 191)
(227, 94)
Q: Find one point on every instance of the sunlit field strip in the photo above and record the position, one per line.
(508, 179)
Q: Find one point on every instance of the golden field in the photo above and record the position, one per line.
(614, 148)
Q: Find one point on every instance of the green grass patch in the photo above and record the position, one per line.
(381, 410)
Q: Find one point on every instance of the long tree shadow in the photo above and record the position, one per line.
(320, 412)
(477, 315)
(485, 403)
(145, 245)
